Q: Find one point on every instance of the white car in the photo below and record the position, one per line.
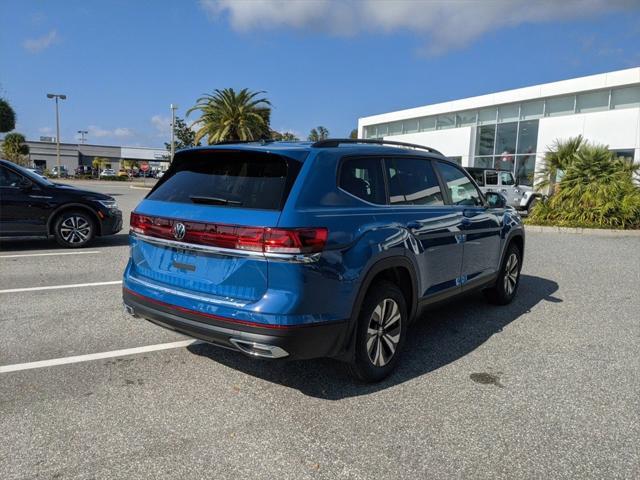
(108, 172)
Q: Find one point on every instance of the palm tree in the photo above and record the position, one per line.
(561, 155)
(317, 134)
(230, 115)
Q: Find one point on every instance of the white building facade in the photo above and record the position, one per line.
(513, 129)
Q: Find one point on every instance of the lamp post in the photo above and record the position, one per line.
(82, 134)
(173, 108)
(61, 97)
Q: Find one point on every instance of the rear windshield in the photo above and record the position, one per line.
(227, 178)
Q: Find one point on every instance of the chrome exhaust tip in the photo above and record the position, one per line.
(258, 349)
(129, 310)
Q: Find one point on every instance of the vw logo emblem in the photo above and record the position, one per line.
(179, 231)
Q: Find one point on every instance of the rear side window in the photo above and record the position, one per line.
(492, 178)
(412, 181)
(362, 177)
(461, 189)
(228, 178)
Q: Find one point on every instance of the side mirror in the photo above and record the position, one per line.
(496, 200)
(25, 184)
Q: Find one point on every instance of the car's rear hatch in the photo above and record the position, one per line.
(201, 230)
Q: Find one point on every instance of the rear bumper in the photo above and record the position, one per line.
(274, 341)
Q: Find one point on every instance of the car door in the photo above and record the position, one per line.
(481, 225)
(417, 201)
(23, 210)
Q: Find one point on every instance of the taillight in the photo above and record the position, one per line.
(256, 239)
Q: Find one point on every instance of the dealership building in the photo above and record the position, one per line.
(42, 154)
(513, 129)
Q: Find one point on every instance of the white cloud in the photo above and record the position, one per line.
(444, 24)
(45, 131)
(96, 131)
(36, 45)
(162, 125)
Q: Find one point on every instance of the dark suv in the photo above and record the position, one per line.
(301, 250)
(31, 206)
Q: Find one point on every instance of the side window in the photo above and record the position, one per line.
(9, 178)
(491, 177)
(412, 181)
(506, 178)
(461, 189)
(362, 177)
(478, 176)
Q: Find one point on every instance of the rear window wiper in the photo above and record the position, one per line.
(213, 200)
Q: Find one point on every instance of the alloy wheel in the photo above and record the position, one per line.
(383, 332)
(75, 229)
(511, 273)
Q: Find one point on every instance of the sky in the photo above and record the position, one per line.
(321, 62)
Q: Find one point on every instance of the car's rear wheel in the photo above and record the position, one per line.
(380, 334)
(74, 229)
(506, 286)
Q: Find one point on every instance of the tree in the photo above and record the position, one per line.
(99, 163)
(15, 149)
(557, 160)
(185, 137)
(317, 134)
(284, 136)
(596, 190)
(230, 115)
(354, 133)
(7, 117)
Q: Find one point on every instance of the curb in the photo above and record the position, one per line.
(140, 187)
(603, 232)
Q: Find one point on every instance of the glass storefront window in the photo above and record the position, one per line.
(483, 162)
(525, 167)
(370, 132)
(410, 126)
(508, 113)
(529, 110)
(446, 121)
(465, 119)
(383, 130)
(395, 128)
(528, 136)
(592, 101)
(506, 138)
(427, 124)
(625, 97)
(487, 116)
(560, 106)
(486, 136)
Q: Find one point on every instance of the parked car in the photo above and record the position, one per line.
(34, 207)
(83, 170)
(64, 173)
(123, 173)
(108, 172)
(520, 197)
(330, 249)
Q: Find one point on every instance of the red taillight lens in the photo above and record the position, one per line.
(256, 239)
(297, 240)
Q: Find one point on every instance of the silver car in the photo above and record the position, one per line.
(520, 197)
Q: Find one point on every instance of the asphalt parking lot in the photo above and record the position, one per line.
(547, 387)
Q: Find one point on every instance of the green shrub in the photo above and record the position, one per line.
(596, 191)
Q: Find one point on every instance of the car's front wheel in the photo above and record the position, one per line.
(74, 229)
(380, 333)
(506, 286)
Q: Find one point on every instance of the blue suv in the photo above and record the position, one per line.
(326, 249)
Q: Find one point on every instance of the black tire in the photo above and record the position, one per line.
(74, 229)
(508, 281)
(376, 355)
(534, 201)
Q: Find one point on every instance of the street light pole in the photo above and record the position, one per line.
(61, 97)
(173, 108)
(82, 134)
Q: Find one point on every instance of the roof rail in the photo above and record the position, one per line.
(335, 142)
(261, 141)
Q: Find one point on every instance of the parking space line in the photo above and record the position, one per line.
(97, 356)
(84, 252)
(58, 287)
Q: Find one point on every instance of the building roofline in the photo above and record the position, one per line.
(598, 81)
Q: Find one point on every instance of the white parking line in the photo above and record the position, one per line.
(83, 252)
(96, 356)
(58, 287)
